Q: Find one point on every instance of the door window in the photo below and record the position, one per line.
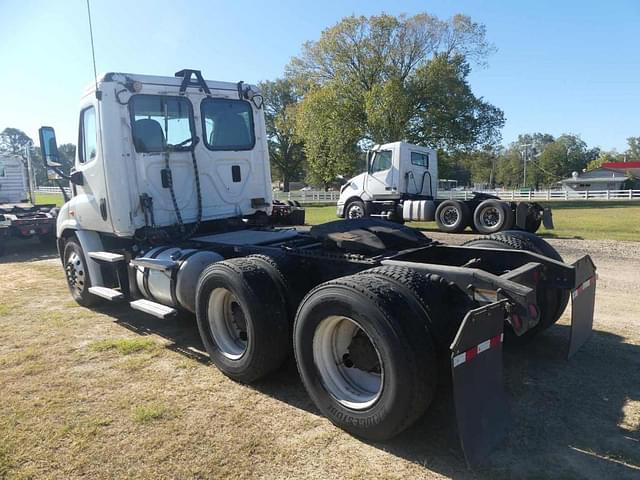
(381, 161)
(88, 135)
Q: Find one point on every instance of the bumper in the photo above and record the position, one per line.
(340, 211)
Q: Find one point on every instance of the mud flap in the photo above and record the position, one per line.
(478, 390)
(583, 298)
(547, 218)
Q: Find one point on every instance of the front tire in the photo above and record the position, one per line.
(77, 274)
(364, 355)
(355, 209)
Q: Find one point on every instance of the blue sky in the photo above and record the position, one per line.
(561, 66)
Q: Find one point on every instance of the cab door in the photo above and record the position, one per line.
(89, 204)
(382, 177)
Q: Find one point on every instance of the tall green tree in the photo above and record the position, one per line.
(633, 152)
(13, 141)
(285, 148)
(385, 78)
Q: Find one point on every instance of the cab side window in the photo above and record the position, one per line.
(88, 135)
(381, 162)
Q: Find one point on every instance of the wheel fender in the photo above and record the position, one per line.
(90, 241)
(64, 221)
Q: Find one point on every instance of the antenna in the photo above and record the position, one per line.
(93, 51)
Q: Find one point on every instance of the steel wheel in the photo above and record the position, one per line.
(355, 210)
(75, 270)
(348, 362)
(490, 216)
(449, 216)
(227, 323)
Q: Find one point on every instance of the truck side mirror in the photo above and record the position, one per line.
(48, 146)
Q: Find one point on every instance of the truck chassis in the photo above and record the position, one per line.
(256, 291)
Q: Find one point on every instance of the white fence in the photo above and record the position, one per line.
(552, 195)
(319, 196)
(52, 190)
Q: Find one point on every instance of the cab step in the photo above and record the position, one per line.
(152, 308)
(108, 257)
(109, 293)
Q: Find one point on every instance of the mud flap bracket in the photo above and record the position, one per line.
(478, 389)
(583, 298)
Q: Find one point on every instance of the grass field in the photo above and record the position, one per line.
(49, 198)
(587, 220)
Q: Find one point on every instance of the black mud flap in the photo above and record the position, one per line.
(547, 218)
(478, 390)
(583, 298)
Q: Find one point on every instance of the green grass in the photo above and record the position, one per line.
(48, 198)
(149, 413)
(125, 346)
(587, 220)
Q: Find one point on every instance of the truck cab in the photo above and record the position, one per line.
(395, 171)
(138, 141)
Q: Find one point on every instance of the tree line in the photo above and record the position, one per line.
(379, 79)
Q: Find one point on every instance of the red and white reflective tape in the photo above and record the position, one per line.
(583, 286)
(477, 350)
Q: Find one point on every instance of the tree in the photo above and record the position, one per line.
(386, 78)
(633, 152)
(448, 115)
(285, 148)
(13, 141)
(604, 157)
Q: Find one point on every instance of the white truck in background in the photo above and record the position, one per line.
(401, 184)
(171, 188)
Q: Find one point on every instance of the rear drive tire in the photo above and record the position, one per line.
(365, 356)
(355, 209)
(551, 301)
(242, 319)
(452, 216)
(492, 216)
(77, 274)
(532, 223)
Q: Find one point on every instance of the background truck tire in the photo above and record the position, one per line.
(242, 319)
(386, 376)
(551, 301)
(77, 274)
(452, 216)
(493, 216)
(443, 303)
(355, 209)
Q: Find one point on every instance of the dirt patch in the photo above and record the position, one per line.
(71, 410)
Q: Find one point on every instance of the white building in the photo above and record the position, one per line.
(597, 179)
(13, 180)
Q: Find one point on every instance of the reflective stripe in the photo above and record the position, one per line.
(477, 350)
(583, 286)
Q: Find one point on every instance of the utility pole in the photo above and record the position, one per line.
(525, 158)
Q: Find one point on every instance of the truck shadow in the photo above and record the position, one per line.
(575, 419)
(27, 250)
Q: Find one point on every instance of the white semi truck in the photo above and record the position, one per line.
(401, 184)
(171, 188)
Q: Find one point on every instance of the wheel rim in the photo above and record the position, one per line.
(449, 216)
(349, 363)
(355, 211)
(489, 217)
(227, 323)
(76, 273)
